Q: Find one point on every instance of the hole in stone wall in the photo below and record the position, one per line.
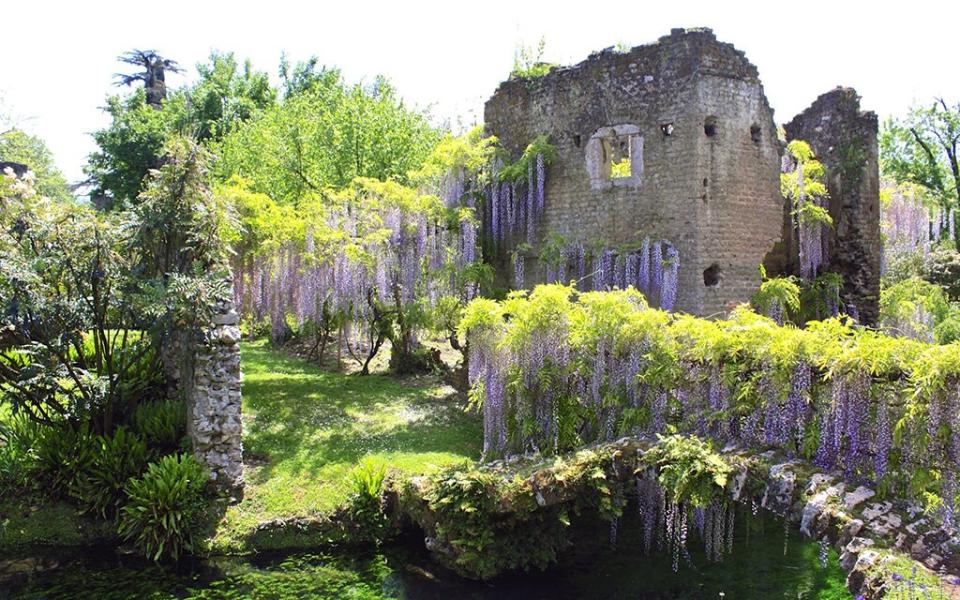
(710, 126)
(712, 275)
(619, 152)
(755, 133)
(614, 156)
(576, 140)
(704, 182)
(667, 129)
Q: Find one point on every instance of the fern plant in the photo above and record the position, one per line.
(366, 507)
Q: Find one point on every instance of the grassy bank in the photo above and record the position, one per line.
(305, 428)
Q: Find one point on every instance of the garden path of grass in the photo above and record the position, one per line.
(305, 428)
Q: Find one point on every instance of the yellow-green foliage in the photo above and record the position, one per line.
(804, 182)
(471, 152)
(519, 170)
(620, 169)
(834, 346)
(918, 309)
(781, 290)
(677, 353)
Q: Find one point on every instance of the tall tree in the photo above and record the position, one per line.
(153, 74)
(226, 94)
(325, 134)
(129, 147)
(20, 147)
(922, 149)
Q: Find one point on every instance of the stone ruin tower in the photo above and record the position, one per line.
(675, 141)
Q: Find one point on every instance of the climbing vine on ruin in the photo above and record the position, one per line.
(555, 368)
(652, 267)
(802, 182)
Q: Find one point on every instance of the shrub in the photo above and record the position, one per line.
(942, 267)
(367, 478)
(64, 454)
(162, 425)
(164, 507)
(18, 459)
(99, 488)
(948, 330)
(914, 308)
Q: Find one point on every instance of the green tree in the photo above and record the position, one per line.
(922, 149)
(21, 147)
(305, 74)
(153, 74)
(129, 147)
(324, 136)
(226, 95)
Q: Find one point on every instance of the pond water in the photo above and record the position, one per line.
(765, 564)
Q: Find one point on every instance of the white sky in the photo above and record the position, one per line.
(58, 59)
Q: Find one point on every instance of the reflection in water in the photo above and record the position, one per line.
(768, 561)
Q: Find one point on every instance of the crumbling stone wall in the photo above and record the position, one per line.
(844, 139)
(203, 368)
(690, 115)
(705, 158)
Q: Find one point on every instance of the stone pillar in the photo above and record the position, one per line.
(844, 139)
(214, 400)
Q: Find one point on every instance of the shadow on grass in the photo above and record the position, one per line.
(302, 419)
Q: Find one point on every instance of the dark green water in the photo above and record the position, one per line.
(764, 565)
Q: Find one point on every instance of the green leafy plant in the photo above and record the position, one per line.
(164, 508)
(161, 424)
(942, 267)
(100, 487)
(18, 459)
(528, 62)
(366, 501)
(495, 522)
(777, 294)
(367, 479)
(64, 455)
(916, 308)
(519, 169)
(688, 468)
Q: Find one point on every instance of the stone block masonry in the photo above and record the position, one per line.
(203, 367)
(676, 141)
(844, 139)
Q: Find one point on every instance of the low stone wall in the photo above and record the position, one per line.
(870, 534)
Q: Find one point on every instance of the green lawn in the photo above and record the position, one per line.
(29, 522)
(306, 428)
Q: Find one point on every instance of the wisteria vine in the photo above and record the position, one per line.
(377, 250)
(653, 269)
(558, 369)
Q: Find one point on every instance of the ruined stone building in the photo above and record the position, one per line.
(676, 141)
